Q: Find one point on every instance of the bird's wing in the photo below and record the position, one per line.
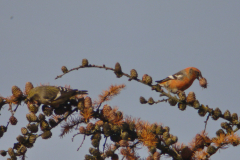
(177, 76)
(59, 94)
(61, 91)
(64, 92)
(51, 96)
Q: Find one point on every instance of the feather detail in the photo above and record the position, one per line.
(58, 95)
(52, 95)
(177, 76)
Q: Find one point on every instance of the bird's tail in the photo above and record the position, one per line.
(163, 80)
(159, 81)
(81, 91)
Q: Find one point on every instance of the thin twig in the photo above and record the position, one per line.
(104, 144)
(16, 108)
(175, 151)
(103, 67)
(13, 112)
(75, 136)
(23, 156)
(163, 100)
(132, 146)
(75, 109)
(7, 124)
(81, 143)
(103, 101)
(235, 130)
(206, 122)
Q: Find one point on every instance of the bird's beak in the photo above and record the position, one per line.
(200, 76)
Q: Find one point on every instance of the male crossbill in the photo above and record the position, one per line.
(182, 80)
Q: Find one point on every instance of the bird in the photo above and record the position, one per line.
(52, 95)
(181, 80)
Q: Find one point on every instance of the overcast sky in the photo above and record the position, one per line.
(158, 38)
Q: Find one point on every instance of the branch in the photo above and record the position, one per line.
(81, 143)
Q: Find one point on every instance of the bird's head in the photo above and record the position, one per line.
(31, 95)
(28, 99)
(196, 72)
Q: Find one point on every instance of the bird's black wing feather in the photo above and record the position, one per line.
(176, 76)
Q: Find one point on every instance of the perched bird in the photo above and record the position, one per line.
(181, 80)
(52, 95)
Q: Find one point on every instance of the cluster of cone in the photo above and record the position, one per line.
(29, 133)
(84, 64)
(117, 70)
(121, 131)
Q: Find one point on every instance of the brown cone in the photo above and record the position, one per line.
(203, 82)
(84, 62)
(182, 96)
(118, 68)
(191, 97)
(16, 92)
(64, 69)
(13, 120)
(134, 74)
(87, 102)
(28, 87)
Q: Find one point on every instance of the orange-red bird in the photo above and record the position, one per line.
(181, 80)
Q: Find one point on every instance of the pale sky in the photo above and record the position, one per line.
(157, 38)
